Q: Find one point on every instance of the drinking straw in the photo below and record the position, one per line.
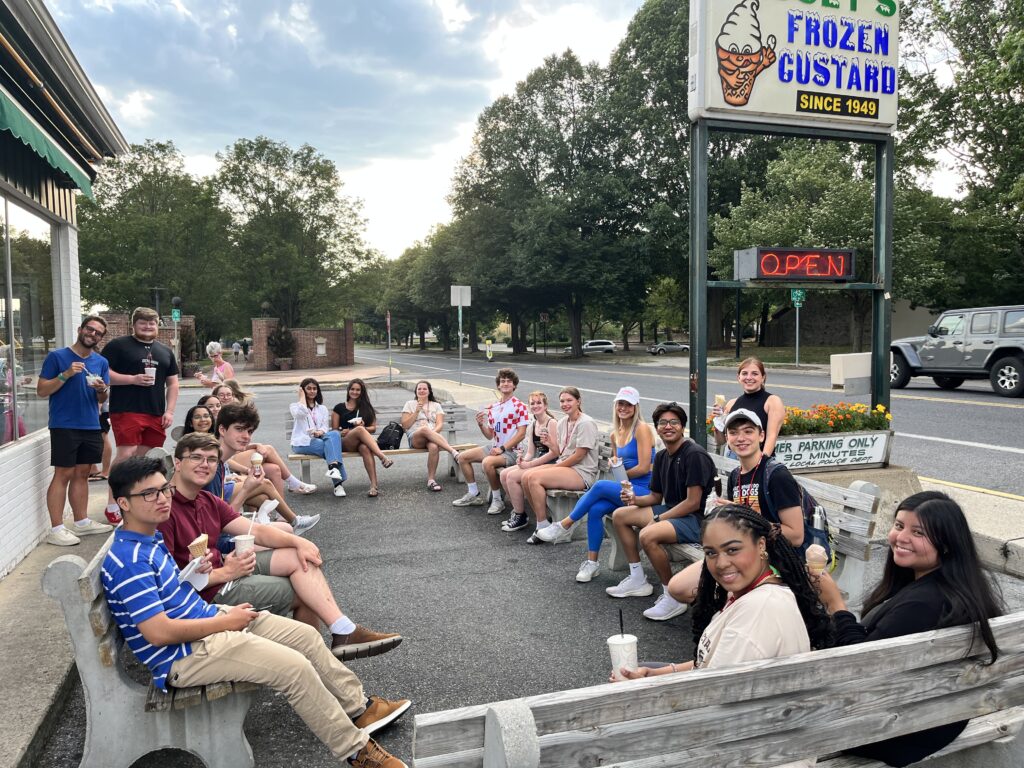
(622, 629)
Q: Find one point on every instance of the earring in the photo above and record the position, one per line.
(764, 554)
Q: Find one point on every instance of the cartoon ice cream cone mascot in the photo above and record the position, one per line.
(741, 55)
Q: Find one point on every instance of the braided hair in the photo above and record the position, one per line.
(711, 597)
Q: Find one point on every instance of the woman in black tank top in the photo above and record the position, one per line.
(768, 407)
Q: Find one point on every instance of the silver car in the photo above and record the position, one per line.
(668, 348)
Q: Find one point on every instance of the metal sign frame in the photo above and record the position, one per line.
(880, 286)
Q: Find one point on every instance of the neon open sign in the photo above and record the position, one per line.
(804, 264)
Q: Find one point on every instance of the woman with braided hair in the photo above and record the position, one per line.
(754, 600)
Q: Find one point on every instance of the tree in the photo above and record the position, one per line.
(151, 224)
(298, 237)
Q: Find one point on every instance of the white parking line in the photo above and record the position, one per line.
(965, 443)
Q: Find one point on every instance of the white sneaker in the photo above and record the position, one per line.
(304, 488)
(630, 587)
(497, 506)
(263, 513)
(302, 523)
(470, 500)
(90, 528)
(334, 473)
(555, 534)
(339, 491)
(62, 538)
(665, 608)
(587, 571)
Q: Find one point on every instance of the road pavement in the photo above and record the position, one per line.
(969, 436)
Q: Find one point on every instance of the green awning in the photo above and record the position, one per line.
(17, 122)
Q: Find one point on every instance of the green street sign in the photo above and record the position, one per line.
(797, 295)
(176, 315)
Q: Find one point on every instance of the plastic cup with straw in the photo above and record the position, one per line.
(622, 649)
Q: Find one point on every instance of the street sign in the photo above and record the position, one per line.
(176, 315)
(797, 295)
(544, 317)
(461, 295)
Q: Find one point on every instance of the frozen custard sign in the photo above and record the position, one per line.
(818, 62)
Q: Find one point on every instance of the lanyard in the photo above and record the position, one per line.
(760, 580)
(568, 436)
(746, 498)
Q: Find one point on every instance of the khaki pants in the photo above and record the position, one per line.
(290, 657)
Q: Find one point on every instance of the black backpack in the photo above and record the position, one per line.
(390, 438)
(808, 503)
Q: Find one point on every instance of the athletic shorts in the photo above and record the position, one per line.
(72, 447)
(138, 429)
(687, 528)
(509, 456)
(104, 422)
(263, 591)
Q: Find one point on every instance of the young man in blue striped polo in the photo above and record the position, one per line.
(185, 641)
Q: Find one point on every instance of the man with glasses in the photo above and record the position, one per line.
(144, 375)
(186, 642)
(77, 381)
(683, 477)
(284, 576)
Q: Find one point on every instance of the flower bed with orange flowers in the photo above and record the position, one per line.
(842, 417)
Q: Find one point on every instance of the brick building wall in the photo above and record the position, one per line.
(117, 325)
(338, 346)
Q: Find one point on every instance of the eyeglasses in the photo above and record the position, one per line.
(88, 329)
(198, 458)
(668, 423)
(150, 494)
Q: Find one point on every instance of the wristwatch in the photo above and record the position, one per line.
(657, 517)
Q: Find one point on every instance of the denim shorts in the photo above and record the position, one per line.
(687, 527)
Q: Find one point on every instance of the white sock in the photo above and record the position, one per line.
(56, 528)
(495, 495)
(82, 523)
(472, 490)
(293, 481)
(542, 524)
(636, 571)
(343, 626)
(664, 589)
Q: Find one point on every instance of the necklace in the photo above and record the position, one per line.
(769, 573)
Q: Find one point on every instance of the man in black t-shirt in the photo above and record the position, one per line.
(744, 433)
(683, 476)
(143, 390)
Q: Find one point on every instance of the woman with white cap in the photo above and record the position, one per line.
(633, 443)
(222, 369)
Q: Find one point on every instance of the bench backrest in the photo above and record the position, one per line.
(452, 414)
(756, 714)
(851, 511)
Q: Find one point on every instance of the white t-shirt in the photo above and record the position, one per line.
(763, 624)
(581, 433)
(424, 418)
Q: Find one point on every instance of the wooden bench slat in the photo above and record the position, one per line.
(100, 618)
(157, 700)
(187, 697)
(216, 691)
(390, 452)
(109, 646)
(89, 583)
(241, 686)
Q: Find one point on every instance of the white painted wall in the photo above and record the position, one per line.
(24, 476)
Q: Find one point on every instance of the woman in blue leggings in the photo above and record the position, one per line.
(633, 442)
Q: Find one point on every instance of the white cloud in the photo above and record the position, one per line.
(134, 108)
(454, 14)
(200, 165)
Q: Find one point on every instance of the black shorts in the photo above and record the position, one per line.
(104, 422)
(71, 447)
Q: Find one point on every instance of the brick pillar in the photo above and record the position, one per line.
(262, 357)
(348, 347)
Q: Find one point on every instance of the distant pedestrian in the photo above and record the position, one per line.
(236, 351)
(77, 381)
(144, 379)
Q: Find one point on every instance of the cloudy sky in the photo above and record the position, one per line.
(388, 89)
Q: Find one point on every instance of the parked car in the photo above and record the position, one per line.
(595, 345)
(668, 348)
(981, 343)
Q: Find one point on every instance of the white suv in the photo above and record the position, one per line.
(595, 345)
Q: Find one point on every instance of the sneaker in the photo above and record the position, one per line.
(362, 643)
(630, 587)
(304, 488)
(515, 521)
(535, 537)
(302, 523)
(665, 608)
(470, 500)
(263, 513)
(335, 474)
(497, 506)
(339, 491)
(90, 528)
(555, 534)
(62, 538)
(587, 571)
(113, 514)
(380, 712)
(373, 755)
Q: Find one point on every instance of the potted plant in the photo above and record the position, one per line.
(282, 344)
(839, 436)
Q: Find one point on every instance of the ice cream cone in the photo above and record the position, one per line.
(817, 559)
(198, 547)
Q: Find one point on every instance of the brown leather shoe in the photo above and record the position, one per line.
(363, 643)
(381, 712)
(373, 755)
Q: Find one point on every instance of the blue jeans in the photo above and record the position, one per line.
(603, 498)
(327, 447)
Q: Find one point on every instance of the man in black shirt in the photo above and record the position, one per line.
(144, 390)
(684, 475)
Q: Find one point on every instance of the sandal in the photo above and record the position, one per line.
(372, 493)
(386, 463)
(96, 477)
(433, 485)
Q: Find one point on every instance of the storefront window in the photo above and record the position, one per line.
(28, 319)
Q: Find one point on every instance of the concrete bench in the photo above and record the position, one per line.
(852, 517)
(761, 713)
(453, 414)
(126, 719)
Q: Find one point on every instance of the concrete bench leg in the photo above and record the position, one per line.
(306, 473)
(615, 558)
(510, 736)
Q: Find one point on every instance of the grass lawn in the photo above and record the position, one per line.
(777, 355)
